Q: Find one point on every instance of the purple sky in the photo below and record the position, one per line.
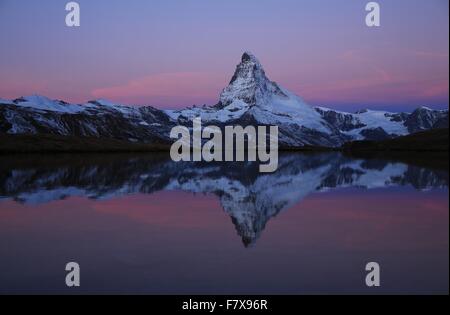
(175, 53)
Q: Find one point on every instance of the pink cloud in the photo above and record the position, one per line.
(437, 89)
(364, 75)
(19, 87)
(182, 86)
(381, 87)
(365, 81)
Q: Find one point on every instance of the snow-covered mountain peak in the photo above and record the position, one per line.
(103, 102)
(43, 103)
(249, 57)
(249, 84)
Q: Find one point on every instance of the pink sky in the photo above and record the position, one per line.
(176, 54)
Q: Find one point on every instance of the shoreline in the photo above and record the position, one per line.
(432, 141)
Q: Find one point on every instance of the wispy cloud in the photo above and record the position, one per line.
(178, 86)
(12, 88)
(379, 86)
(375, 83)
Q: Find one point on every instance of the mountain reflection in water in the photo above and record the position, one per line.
(249, 197)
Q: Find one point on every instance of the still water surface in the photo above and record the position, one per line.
(144, 224)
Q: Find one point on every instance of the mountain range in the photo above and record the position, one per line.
(249, 99)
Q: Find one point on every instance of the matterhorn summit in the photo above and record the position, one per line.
(251, 98)
(249, 84)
